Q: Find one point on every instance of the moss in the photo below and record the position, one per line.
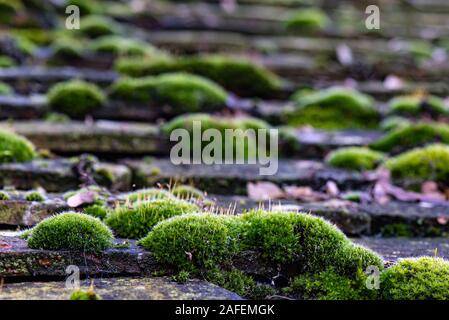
(71, 231)
(75, 97)
(122, 46)
(422, 278)
(307, 20)
(55, 117)
(148, 194)
(240, 126)
(4, 196)
(238, 75)
(310, 241)
(85, 295)
(123, 245)
(137, 220)
(354, 158)
(104, 175)
(334, 108)
(66, 47)
(183, 92)
(155, 171)
(421, 164)
(233, 280)
(7, 62)
(397, 230)
(413, 135)
(15, 148)
(95, 26)
(96, 210)
(190, 241)
(34, 34)
(394, 122)
(36, 196)
(8, 10)
(354, 196)
(181, 277)
(5, 89)
(26, 46)
(86, 6)
(420, 50)
(413, 105)
(330, 285)
(187, 192)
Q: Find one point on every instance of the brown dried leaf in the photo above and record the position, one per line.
(81, 198)
(304, 193)
(260, 191)
(5, 245)
(429, 187)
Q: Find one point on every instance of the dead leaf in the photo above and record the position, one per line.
(304, 194)
(383, 189)
(261, 191)
(443, 220)
(81, 198)
(429, 187)
(332, 188)
(5, 245)
(45, 263)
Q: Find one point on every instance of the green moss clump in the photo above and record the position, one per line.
(190, 241)
(183, 92)
(421, 164)
(137, 220)
(75, 97)
(55, 117)
(66, 47)
(238, 75)
(413, 135)
(187, 192)
(34, 196)
(148, 194)
(394, 122)
(420, 50)
(71, 231)
(97, 211)
(354, 158)
(86, 7)
(422, 278)
(330, 285)
(334, 108)
(5, 89)
(122, 46)
(413, 105)
(181, 277)
(397, 230)
(85, 295)
(239, 125)
(206, 244)
(7, 62)
(233, 280)
(15, 148)
(8, 10)
(307, 20)
(4, 196)
(95, 26)
(310, 241)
